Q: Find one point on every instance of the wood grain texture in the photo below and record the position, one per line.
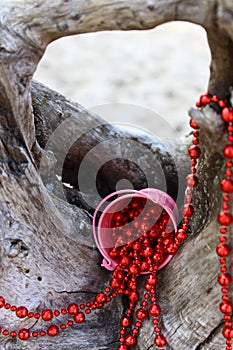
(48, 258)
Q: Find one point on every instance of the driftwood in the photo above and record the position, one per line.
(48, 257)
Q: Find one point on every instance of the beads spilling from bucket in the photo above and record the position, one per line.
(143, 237)
(138, 249)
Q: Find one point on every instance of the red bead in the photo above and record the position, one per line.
(194, 152)
(13, 308)
(228, 173)
(228, 151)
(191, 180)
(13, 334)
(193, 124)
(215, 99)
(157, 329)
(53, 331)
(79, 317)
(5, 332)
(35, 334)
(222, 261)
(181, 235)
(226, 307)
(115, 284)
(144, 266)
(224, 218)
(63, 311)
(125, 321)
(125, 261)
(73, 309)
(160, 341)
(2, 302)
(37, 315)
(133, 269)
(223, 269)
(141, 314)
(227, 332)
(205, 99)
(123, 347)
(21, 312)
(63, 326)
(223, 249)
(185, 227)
(130, 340)
(154, 310)
(113, 253)
(228, 324)
(152, 279)
(133, 297)
(227, 317)
(188, 210)
(223, 230)
(222, 103)
(225, 206)
(227, 186)
(227, 114)
(47, 315)
(147, 251)
(56, 313)
(42, 333)
(24, 334)
(230, 138)
(100, 298)
(225, 290)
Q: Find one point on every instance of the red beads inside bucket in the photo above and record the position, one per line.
(136, 235)
(137, 228)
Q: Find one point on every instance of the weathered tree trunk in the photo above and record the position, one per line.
(48, 258)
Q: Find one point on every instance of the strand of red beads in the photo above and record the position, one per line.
(147, 246)
(224, 216)
(144, 252)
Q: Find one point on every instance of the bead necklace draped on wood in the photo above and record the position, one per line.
(142, 249)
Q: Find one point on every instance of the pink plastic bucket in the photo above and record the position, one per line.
(103, 230)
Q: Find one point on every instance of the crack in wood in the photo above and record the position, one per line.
(209, 338)
(74, 292)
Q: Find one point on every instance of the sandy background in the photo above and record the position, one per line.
(163, 70)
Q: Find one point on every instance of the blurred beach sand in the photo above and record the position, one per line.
(163, 70)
